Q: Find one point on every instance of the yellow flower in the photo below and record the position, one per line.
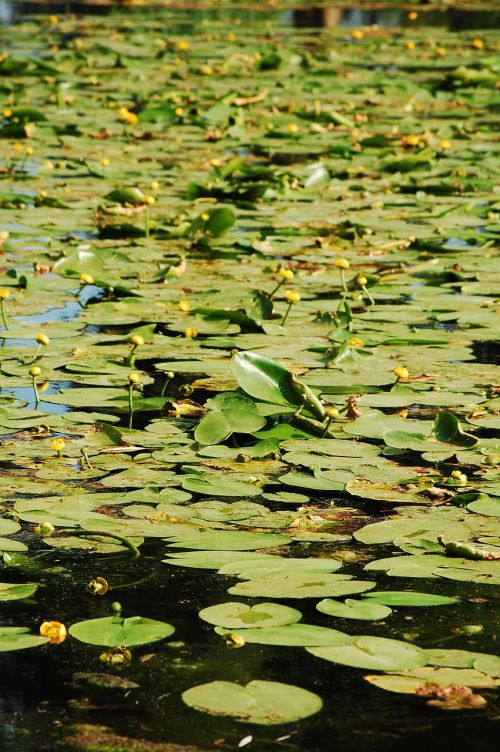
(35, 371)
(184, 306)
(4, 293)
(149, 200)
(54, 20)
(182, 45)
(179, 111)
(129, 117)
(116, 657)
(206, 70)
(410, 44)
(154, 185)
(137, 340)
(401, 372)
(286, 274)
(356, 342)
(332, 412)
(42, 339)
(54, 630)
(87, 279)
(205, 216)
(292, 296)
(97, 586)
(231, 37)
(477, 43)
(444, 144)
(190, 333)
(342, 263)
(357, 34)
(412, 16)
(104, 161)
(411, 140)
(7, 112)
(293, 128)
(134, 378)
(48, 164)
(361, 281)
(441, 52)
(57, 445)
(18, 147)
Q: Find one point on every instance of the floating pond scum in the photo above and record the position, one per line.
(249, 409)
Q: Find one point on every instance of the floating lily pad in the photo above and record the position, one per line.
(262, 702)
(237, 615)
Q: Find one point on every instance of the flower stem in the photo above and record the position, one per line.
(286, 314)
(342, 278)
(368, 295)
(4, 315)
(100, 534)
(130, 405)
(35, 392)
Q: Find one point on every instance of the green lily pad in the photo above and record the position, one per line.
(114, 631)
(239, 616)
(354, 609)
(261, 702)
(376, 653)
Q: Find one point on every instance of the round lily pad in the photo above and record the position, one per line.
(376, 653)
(262, 702)
(354, 609)
(409, 598)
(240, 616)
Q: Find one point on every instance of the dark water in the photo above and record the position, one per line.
(41, 700)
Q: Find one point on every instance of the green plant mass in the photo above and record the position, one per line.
(249, 405)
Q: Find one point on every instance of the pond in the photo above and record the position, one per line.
(249, 402)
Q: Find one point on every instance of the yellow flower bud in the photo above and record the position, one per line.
(35, 371)
(293, 128)
(410, 44)
(116, 657)
(411, 140)
(182, 45)
(205, 216)
(54, 630)
(190, 333)
(332, 412)
(42, 339)
(286, 274)
(361, 281)
(401, 372)
(104, 161)
(357, 34)
(137, 340)
(97, 586)
(179, 111)
(149, 200)
(57, 445)
(292, 296)
(7, 112)
(342, 263)
(87, 279)
(412, 16)
(4, 293)
(444, 144)
(134, 378)
(154, 185)
(478, 44)
(184, 306)
(356, 342)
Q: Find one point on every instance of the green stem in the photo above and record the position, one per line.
(328, 424)
(146, 221)
(35, 392)
(368, 295)
(167, 381)
(130, 405)
(282, 281)
(99, 534)
(286, 314)
(130, 359)
(4, 315)
(342, 278)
